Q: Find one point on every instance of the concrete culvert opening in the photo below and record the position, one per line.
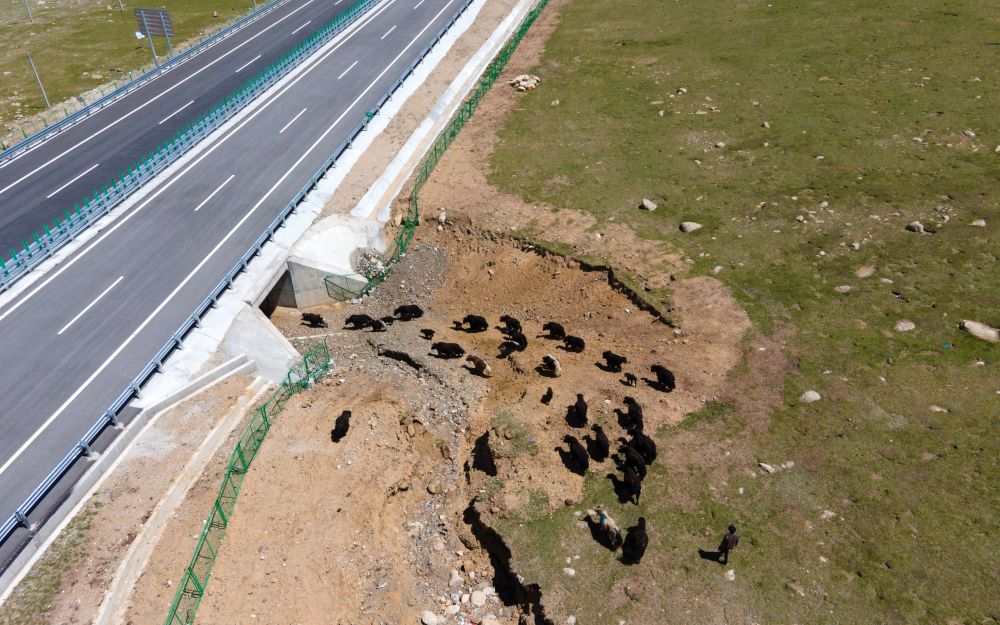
(281, 294)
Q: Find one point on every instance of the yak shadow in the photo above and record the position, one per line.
(594, 449)
(570, 462)
(482, 456)
(599, 535)
(476, 372)
(654, 384)
(460, 327)
(714, 556)
(623, 421)
(444, 356)
(573, 417)
(605, 367)
(621, 491)
(569, 349)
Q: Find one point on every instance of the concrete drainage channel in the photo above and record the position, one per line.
(285, 267)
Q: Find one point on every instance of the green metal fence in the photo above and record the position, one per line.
(314, 364)
(336, 284)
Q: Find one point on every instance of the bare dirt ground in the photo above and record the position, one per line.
(68, 584)
(369, 529)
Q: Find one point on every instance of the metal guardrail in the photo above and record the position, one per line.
(110, 416)
(53, 129)
(142, 171)
(342, 287)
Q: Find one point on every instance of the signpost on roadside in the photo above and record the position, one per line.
(38, 79)
(155, 22)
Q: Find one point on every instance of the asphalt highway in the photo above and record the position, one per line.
(43, 182)
(75, 339)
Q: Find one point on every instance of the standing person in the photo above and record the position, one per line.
(729, 542)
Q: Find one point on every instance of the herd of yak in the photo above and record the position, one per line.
(634, 454)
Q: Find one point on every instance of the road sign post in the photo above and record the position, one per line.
(155, 22)
(39, 80)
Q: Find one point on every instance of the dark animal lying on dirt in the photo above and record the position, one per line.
(515, 342)
(632, 484)
(547, 397)
(630, 379)
(427, 333)
(633, 418)
(474, 323)
(448, 350)
(578, 453)
(614, 361)
(340, 426)
(602, 446)
(313, 320)
(550, 366)
(478, 366)
(510, 324)
(664, 377)
(555, 331)
(636, 541)
(408, 312)
(574, 344)
(644, 445)
(357, 322)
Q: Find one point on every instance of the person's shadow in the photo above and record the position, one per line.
(714, 556)
(599, 535)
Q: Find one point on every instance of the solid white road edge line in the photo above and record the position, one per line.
(145, 104)
(49, 196)
(175, 112)
(285, 127)
(212, 194)
(198, 268)
(90, 305)
(191, 165)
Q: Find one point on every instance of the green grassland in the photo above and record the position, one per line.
(80, 45)
(793, 130)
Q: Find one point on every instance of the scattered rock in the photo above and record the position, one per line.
(809, 397)
(647, 205)
(904, 325)
(766, 468)
(980, 330)
(478, 598)
(489, 619)
(453, 609)
(843, 288)
(442, 218)
(434, 487)
(970, 134)
(865, 272)
(796, 588)
(936, 408)
(827, 515)
(915, 226)
(570, 620)
(731, 575)
(766, 125)
(429, 618)
(525, 82)
(690, 226)
(489, 591)
(569, 571)
(979, 223)
(456, 580)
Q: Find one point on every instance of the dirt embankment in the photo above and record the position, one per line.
(371, 528)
